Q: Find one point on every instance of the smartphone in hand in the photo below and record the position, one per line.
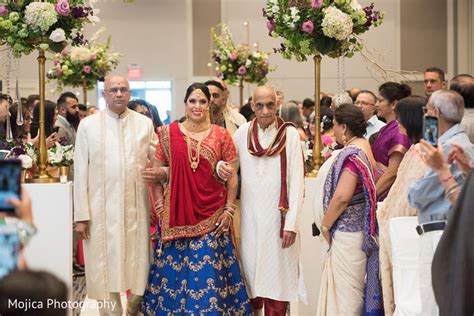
(9, 249)
(430, 130)
(10, 183)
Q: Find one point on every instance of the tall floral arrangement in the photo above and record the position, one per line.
(27, 25)
(82, 66)
(239, 62)
(319, 27)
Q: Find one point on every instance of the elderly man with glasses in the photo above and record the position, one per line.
(111, 207)
(366, 101)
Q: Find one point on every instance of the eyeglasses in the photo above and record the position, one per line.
(116, 90)
(363, 103)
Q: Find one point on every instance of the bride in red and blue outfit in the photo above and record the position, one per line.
(195, 269)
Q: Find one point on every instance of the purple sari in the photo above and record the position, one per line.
(388, 141)
(359, 215)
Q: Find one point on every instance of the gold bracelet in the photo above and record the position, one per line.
(231, 205)
(231, 215)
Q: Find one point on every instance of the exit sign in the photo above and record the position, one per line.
(134, 73)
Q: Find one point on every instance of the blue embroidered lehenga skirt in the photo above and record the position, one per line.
(196, 276)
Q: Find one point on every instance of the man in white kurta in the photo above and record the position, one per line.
(270, 263)
(111, 205)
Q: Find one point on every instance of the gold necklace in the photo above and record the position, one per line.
(195, 129)
(350, 140)
(193, 160)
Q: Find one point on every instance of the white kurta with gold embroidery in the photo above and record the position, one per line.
(111, 151)
(270, 271)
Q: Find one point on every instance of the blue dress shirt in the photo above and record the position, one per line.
(427, 194)
(373, 126)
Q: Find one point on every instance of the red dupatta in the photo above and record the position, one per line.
(193, 200)
(276, 146)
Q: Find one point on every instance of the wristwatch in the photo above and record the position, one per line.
(324, 229)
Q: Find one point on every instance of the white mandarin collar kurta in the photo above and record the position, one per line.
(271, 271)
(111, 151)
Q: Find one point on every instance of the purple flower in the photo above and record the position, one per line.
(62, 141)
(81, 12)
(271, 26)
(316, 4)
(307, 27)
(56, 62)
(62, 7)
(87, 69)
(242, 70)
(233, 56)
(3, 10)
(59, 71)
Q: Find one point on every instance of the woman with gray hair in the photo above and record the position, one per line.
(290, 112)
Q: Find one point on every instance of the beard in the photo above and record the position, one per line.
(73, 119)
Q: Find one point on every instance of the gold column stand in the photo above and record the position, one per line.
(241, 92)
(317, 143)
(42, 175)
(84, 93)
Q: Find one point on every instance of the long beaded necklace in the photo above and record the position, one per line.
(193, 160)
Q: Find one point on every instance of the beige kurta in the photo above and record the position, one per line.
(270, 271)
(111, 151)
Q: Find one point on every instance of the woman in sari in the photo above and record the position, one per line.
(350, 283)
(409, 113)
(195, 269)
(389, 145)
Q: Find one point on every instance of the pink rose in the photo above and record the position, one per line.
(59, 71)
(307, 27)
(233, 56)
(62, 7)
(316, 4)
(3, 10)
(56, 62)
(64, 52)
(242, 70)
(271, 25)
(87, 69)
(93, 56)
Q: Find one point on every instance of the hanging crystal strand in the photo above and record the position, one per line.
(19, 114)
(9, 69)
(343, 75)
(8, 131)
(338, 75)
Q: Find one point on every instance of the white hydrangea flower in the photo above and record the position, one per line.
(356, 5)
(248, 62)
(26, 161)
(336, 24)
(58, 35)
(40, 15)
(80, 54)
